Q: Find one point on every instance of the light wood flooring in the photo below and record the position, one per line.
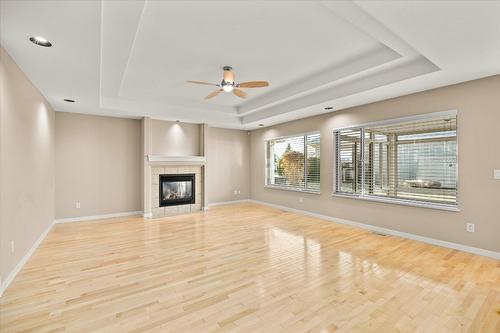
(247, 268)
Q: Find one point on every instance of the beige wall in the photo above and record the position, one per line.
(228, 164)
(478, 105)
(26, 164)
(174, 139)
(98, 163)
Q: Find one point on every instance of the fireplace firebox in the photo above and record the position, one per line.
(177, 189)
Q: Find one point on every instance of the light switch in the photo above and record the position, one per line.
(496, 174)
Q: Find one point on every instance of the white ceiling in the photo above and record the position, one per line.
(132, 58)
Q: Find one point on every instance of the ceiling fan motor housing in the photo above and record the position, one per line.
(227, 86)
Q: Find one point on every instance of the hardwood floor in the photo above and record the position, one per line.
(247, 268)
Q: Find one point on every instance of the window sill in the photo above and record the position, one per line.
(450, 208)
(291, 189)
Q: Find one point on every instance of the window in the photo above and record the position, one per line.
(406, 161)
(293, 162)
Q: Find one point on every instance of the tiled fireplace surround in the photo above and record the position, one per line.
(158, 170)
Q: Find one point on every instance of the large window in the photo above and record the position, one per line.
(293, 162)
(407, 161)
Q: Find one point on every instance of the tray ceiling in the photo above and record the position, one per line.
(132, 58)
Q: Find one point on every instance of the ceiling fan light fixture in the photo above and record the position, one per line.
(227, 87)
(228, 74)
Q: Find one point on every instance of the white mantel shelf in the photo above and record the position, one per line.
(178, 159)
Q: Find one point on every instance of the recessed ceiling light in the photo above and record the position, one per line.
(40, 41)
(261, 125)
(69, 100)
(329, 108)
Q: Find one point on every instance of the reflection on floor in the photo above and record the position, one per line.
(247, 268)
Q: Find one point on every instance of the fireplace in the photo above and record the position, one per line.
(177, 189)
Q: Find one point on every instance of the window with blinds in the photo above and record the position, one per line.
(410, 161)
(294, 162)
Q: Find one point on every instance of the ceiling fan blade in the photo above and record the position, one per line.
(202, 82)
(253, 84)
(240, 93)
(213, 94)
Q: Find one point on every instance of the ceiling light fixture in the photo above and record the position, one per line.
(228, 87)
(69, 100)
(40, 41)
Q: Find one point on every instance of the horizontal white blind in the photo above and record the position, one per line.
(348, 160)
(313, 162)
(415, 161)
(293, 162)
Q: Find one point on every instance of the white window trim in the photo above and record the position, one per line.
(389, 200)
(397, 201)
(266, 159)
(293, 189)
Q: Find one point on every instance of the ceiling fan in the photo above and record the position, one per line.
(228, 84)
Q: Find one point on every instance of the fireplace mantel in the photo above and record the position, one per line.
(188, 160)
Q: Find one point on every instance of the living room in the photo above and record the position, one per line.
(302, 166)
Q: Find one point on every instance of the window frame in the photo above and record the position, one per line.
(267, 164)
(390, 200)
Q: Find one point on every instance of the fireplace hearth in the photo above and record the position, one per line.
(177, 189)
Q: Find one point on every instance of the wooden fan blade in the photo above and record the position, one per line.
(213, 94)
(240, 93)
(202, 82)
(253, 84)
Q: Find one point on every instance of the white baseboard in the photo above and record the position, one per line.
(97, 217)
(433, 241)
(147, 215)
(224, 203)
(5, 284)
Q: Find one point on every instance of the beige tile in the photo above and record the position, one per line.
(158, 212)
(195, 207)
(155, 203)
(155, 190)
(184, 170)
(171, 170)
(184, 209)
(155, 173)
(169, 211)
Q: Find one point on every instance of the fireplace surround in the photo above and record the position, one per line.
(197, 189)
(176, 189)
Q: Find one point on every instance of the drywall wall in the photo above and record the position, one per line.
(26, 165)
(174, 139)
(98, 164)
(228, 165)
(478, 105)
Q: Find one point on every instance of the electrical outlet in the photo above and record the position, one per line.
(470, 227)
(301, 199)
(12, 246)
(496, 174)
(77, 205)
